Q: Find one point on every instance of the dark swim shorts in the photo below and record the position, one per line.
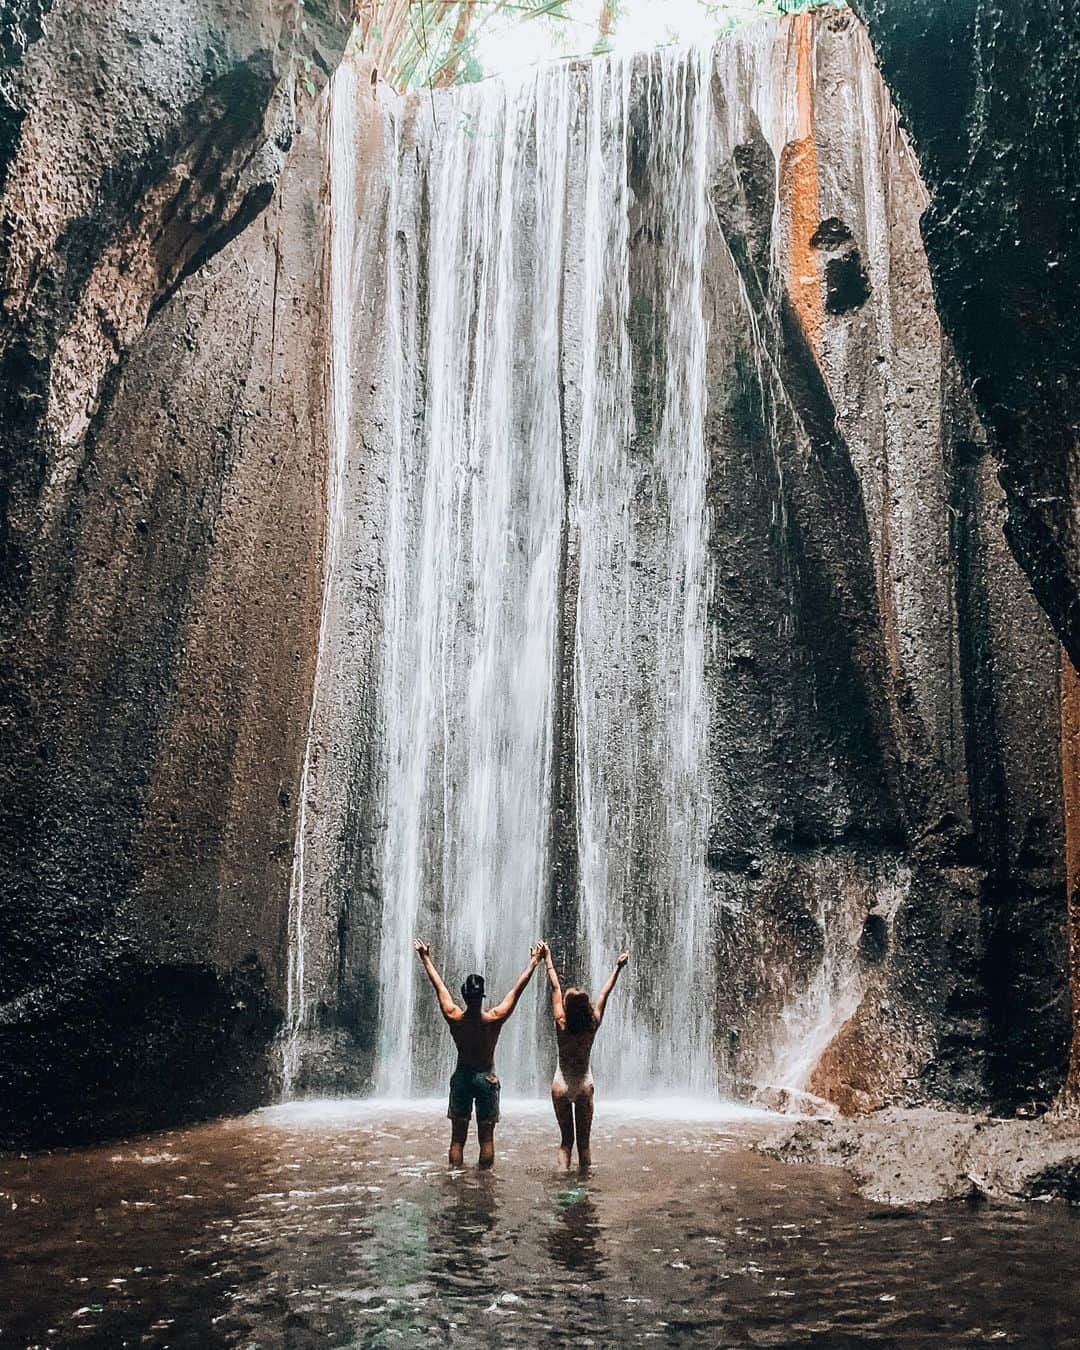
(474, 1085)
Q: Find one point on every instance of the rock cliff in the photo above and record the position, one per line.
(161, 468)
(887, 715)
(989, 91)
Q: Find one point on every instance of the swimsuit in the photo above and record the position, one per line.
(474, 1085)
(577, 1085)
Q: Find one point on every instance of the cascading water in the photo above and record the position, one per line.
(639, 513)
(479, 515)
(476, 510)
(565, 369)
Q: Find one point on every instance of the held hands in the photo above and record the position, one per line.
(540, 952)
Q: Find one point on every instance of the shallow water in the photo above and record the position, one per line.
(338, 1224)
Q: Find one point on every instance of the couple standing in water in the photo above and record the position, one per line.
(475, 1034)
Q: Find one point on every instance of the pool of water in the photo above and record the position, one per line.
(338, 1224)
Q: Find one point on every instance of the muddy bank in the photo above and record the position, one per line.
(908, 1157)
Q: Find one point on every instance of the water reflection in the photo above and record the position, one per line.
(345, 1231)
(575, 1239)
(465, 1222)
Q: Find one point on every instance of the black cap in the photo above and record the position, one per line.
(473, 988)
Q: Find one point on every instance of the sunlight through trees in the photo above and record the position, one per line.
(437, 43)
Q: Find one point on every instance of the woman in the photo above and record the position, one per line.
(576, 1023)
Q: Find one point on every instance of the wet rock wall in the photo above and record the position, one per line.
(988, 91)
(162, 372)
(904, 807)
(886, 854)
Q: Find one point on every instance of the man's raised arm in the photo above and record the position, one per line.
(446, 1003)
(502, 1010)
(601, 1002)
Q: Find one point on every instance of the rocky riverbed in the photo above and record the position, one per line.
(905, 1157)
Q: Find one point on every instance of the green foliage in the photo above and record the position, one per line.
(432, 43)
(734, 12)
(435, 43)
(797, 6)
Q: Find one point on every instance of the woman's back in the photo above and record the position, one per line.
(575, 1047)
(576, 1025)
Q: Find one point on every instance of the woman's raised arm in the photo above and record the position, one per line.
(601, 1002)
(557, 1009)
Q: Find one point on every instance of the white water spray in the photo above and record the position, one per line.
(543, 260)
(528, 212)
(476, 506)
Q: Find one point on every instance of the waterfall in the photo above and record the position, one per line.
(564, 685)
(523, 293)
(639, 509)
(476, 509)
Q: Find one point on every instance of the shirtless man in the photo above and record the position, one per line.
(475, 1034)
(576, 1024)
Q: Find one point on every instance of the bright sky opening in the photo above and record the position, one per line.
(508, 44)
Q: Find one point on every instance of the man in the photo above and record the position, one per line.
(475, 1034)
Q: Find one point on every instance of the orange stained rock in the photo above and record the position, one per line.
(799, 189)
(1070, 791)
(868, 1061)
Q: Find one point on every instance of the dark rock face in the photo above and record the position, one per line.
(846, 283)
(867, 745)
(990, 90)
(162, 516)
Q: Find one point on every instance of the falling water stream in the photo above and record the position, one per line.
(476, 507)
(524, 372)
(529, 198)
(639, 507)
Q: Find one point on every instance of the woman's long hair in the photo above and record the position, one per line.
(579, 1011)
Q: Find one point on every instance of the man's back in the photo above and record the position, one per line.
(475, 1035)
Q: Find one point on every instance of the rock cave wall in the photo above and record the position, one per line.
(162, 376)
(161, 470)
